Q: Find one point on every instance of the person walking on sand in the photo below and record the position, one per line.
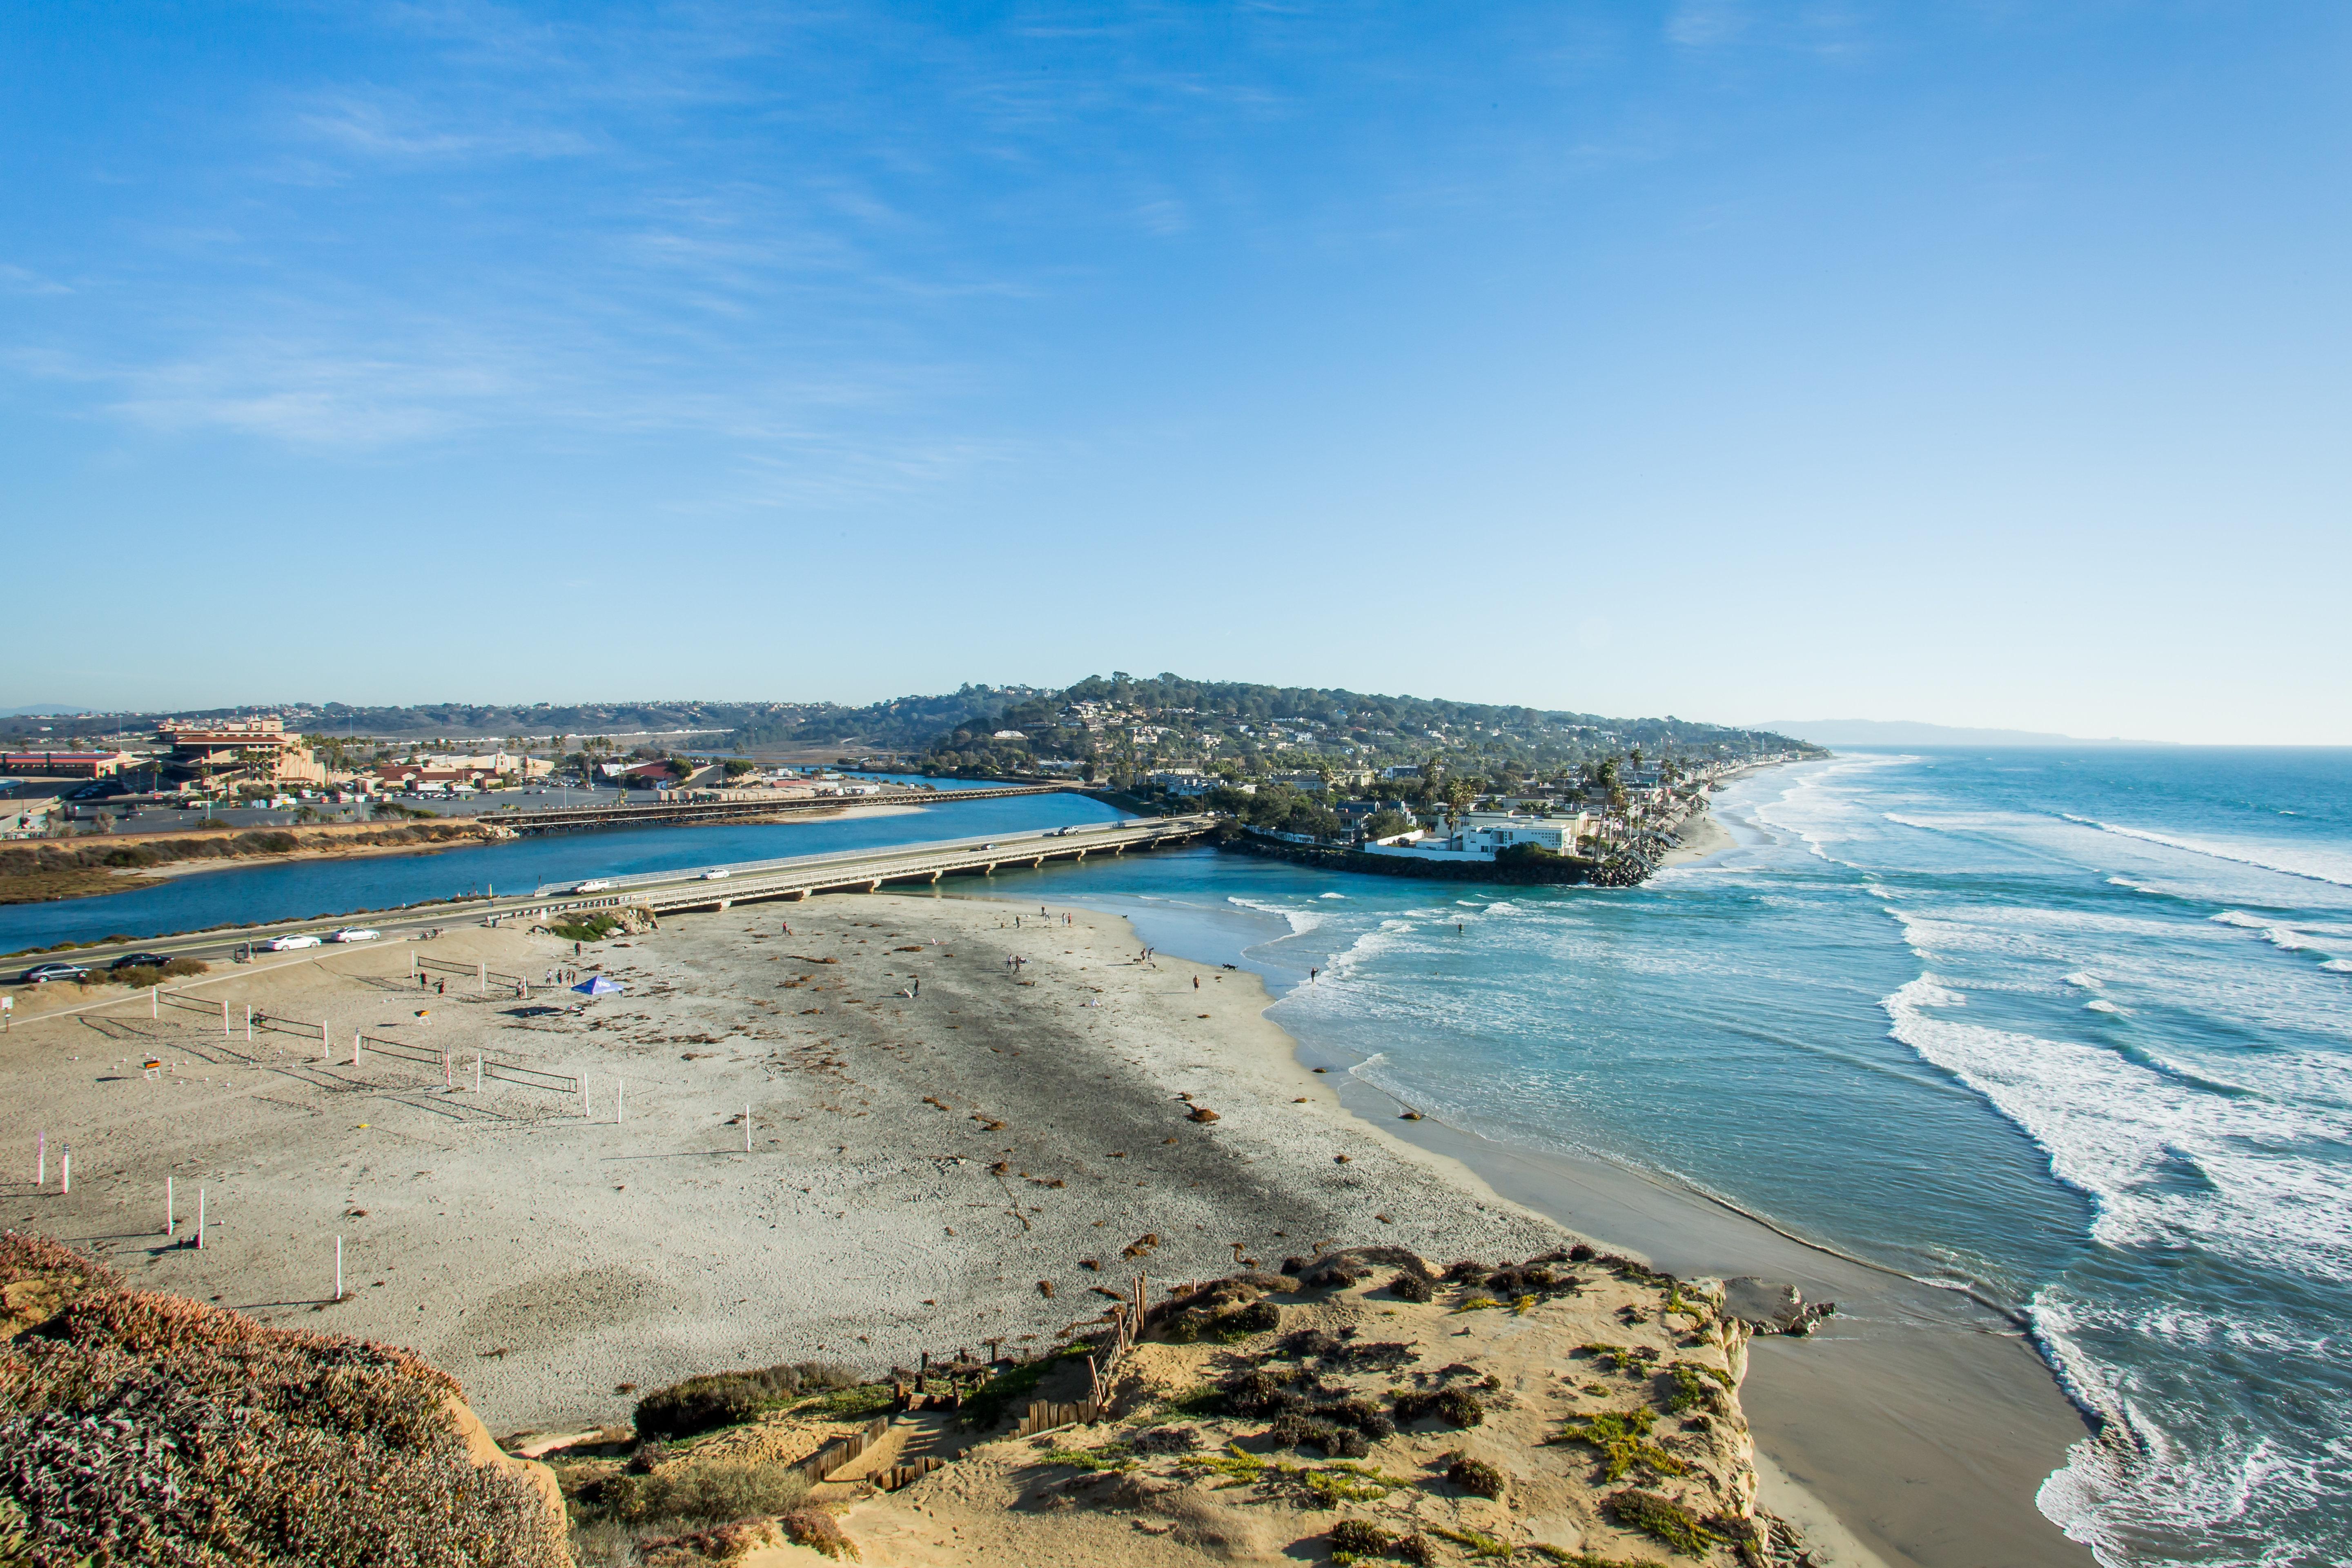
(1196, 983)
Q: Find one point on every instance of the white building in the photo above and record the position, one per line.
(1480, 835)
(1180, 783)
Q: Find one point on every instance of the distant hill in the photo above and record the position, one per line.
(41, 710)
(1910, 732)
(1127, 724)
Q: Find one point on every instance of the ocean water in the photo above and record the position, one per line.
(2070, 1031)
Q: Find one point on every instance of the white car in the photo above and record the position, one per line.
(595, 886)
(354, 933)
(289, 944)
(714, 875)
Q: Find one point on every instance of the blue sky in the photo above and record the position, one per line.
(1982, 363)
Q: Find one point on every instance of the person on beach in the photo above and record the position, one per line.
(1196, 983)
(915, 989)
(1311, 975)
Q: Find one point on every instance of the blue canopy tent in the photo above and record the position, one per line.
(598, 985)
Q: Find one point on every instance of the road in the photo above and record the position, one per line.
(741, 882)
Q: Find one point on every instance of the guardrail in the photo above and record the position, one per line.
(548, 820)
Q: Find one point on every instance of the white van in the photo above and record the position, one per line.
(598, 885)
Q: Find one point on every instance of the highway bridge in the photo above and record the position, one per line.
(861, 870)
(854, 870)
(560, 819)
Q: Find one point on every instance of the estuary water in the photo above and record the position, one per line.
(303, 890)
(2070, 1031)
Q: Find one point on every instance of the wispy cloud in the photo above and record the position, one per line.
(386, 126)
(16, 280)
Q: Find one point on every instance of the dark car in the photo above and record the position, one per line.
(139, 960)
(41, 971)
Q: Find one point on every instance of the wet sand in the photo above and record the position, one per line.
(1924, 1422)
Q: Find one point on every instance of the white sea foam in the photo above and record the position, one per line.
(1330, 895)
(2101, 1004)
(2340, 966)
(2086, 981)
(2135, 887)
(2277, 933)
(2215, 1482)
(1300, 921)
(2112, 1127)
(2288, 859)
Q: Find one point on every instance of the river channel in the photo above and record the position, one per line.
(256, 892)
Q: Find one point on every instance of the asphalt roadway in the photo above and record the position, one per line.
(844, 865)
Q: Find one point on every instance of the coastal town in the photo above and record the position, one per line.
(1397, 786)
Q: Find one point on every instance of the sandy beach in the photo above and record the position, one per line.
(1701, 836)
(919, 1167)
(947, 1148)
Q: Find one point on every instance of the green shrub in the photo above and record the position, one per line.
(1622, 1436)
(1664, 1519)
(1361, 1536)
(717, 1399)
(1448, 1404)
(1475, 1476)
(1698, 1387)
(712, 1493)
(591, 928)
(817, 1530)
(864, 1399)
(179, 967)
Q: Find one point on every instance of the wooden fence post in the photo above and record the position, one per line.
(223, 1018)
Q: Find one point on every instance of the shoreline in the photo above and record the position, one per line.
(1914, 1428)
(923, 1172)
(643, 1295)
